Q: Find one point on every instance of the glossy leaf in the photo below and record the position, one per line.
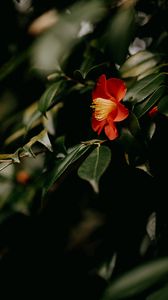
(163, 106)
(60, 165)
(133, 124)
(53, 91)
(90, 59)
(137, 280)
(150, 102)
(144, 87)
(119, 33)
(95, 165)
(139, 63)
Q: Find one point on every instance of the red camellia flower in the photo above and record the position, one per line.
(107, 109)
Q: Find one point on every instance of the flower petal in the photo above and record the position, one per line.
(122, 113)
(111, 131)
(116, 88)
(100, 90)
(97, 125)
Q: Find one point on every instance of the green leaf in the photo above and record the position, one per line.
(92, 63)
(21, 199)
(53, 91)
(60, 145)
(137, 280)
(163, 106)
(139, 63)
(55, 45)
(143, 108)
(89, 61)
(133, 124)
(95, 165)
(161, 294)
(144, 87)
(120, 32)
(31, 116)
(49, 120)
(11, 65)
(60, 165)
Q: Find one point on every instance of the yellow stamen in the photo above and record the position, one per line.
(102, 108)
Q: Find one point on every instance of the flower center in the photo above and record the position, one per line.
(102, 108)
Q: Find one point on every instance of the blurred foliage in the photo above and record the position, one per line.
(73, 203)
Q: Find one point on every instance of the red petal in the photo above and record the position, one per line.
(122, 113)
(97, 125)
(100, 90)
(153, 111)
(111, 131)
(112, 116)
(116, 88)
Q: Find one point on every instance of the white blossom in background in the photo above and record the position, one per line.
(142, 18)
(23, 6)
(85, 28)
(139, 45)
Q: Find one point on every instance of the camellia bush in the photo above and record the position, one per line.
(84, 149)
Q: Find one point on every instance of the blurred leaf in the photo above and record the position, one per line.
(48, 121)
(143, 108)
(31, 115)
(51, 49)
(19, 200)
(139, 63)
(137, 280)
(13, 63)
(60, 145)
(60, 165)
(22, 199)
(144, 87)
(14, 136)
(92, 61)
(95, 165)
(161, 294)
(5, 190)
(54, 90)
(120, 32)
(163, 106)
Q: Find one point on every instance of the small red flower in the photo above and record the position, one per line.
(107, 109)
(153, 111)
(22, 177)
